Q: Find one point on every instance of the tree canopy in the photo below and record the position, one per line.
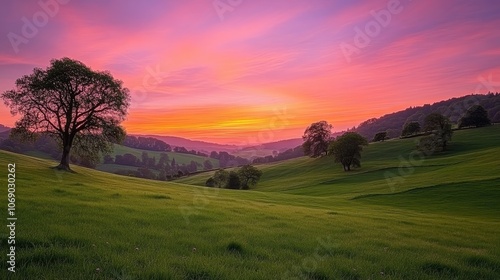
(411, 128)
(380, 136)
(76, 105)
(316, 139)
(242, 178)
(475, 116)
(220, 178)
(347, 148)
(440, 128)
(249, 176)
(233, 181)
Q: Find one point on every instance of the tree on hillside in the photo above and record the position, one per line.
(78, 106)
(410, 128)
(316, 139)
(249, 176)
(347, 148)
(220, 178)
(475, 116)
(380, 136)
(233, 181)
(440, 127)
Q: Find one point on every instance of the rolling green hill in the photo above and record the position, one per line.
(307, 219)
(473, 155)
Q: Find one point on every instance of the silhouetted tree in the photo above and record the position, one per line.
(233, 181)
(440, 127)
(411, 128)
(347, 148)
(220, 178)
(249, 176)
(162, 161)
(380, 136)
(475, 116)
(74, 104)
(316, 139)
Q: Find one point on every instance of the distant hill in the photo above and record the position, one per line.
(246, 152)
(4, 128)
(453, 108)
(4, 134)
(283, 144)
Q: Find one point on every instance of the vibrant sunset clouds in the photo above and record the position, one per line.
(248, 71)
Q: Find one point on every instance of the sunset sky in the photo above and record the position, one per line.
(249, 71)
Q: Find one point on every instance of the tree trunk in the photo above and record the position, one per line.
(64, 164)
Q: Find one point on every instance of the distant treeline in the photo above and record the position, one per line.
(153, 144)
(146, 143)
(288, 154)
(454, 109)
(162, 168)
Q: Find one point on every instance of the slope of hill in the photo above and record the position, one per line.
(3, 128)
(473, 155)
(192, 144)
(94, 225)
(453, 108)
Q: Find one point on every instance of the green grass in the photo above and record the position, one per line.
(473, 155)
(307, 219)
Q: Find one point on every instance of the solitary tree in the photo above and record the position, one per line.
(71, 102)
(316, 139)
(249, 176)
(411, 128)
(475, 116)
(440, 127)
(347, 148)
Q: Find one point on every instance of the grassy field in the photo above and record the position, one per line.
(435, 218)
